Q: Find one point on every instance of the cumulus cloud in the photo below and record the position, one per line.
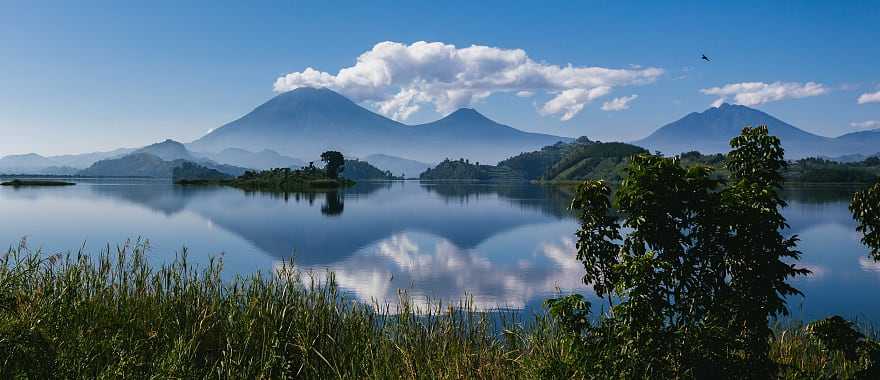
(398, 79)
(866, 124)
(618, 104)
(754, 93)
(870, 97)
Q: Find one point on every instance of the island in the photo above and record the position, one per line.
(309, 178)
(35, 182)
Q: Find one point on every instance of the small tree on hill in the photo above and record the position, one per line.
(334, 163)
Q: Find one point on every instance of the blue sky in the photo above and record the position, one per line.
(79, 78)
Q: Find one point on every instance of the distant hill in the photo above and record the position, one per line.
(579, 160)
(362, 170)
(464, 170)
(149, 165)
(133, 165)
(33, 163)
(168, 150)
(398, 166)
(710, 132)
(307, 121)
(84, 160)
(189, 171)
(262, 160)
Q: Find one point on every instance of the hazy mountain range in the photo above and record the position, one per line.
(293, 128)
(307, 121)
(710, 132)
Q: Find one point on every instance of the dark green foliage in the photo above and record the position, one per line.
(286, 179)
(464, 170)
(362, 170)
(837, 334)
(593, 161)
(334, 162)
(34, 182)
(817, 170)
(865, 208)
(190, 171)
(533, 165)
(692, 287)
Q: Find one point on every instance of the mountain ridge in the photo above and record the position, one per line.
(711, 130)
(306, 121)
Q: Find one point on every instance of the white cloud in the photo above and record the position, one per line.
(572, 101)
(868, 124)
(870, 97)
(398, 78)
(618, 104)
(754, 93)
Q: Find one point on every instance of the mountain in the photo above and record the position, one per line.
(581, 159)
(84, 160)
(33, 163)
(132, 165)
(710, 132)
(141, 164)
(866, 143)
(168, 150)
(262, 160)
(398, 166)
(306, 122)
(24, 163)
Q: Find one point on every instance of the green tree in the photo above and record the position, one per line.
(334, 162)
(692, 285)
(865, 208)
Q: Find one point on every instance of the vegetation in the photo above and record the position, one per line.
(464, 170)
(579, 160)
(692, 287)
(363, 170)
(309, 178)
(865, 208)
(35, 182)
(817, 170)
(189, 171)
(286, 179)
(334, 163)
(112, 315)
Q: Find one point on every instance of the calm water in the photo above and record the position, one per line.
(508, 246)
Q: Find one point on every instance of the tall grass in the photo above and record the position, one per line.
(112, 315)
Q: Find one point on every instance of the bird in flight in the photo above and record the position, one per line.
(706, 58)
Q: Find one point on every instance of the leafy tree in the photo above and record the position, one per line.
(865, 208)
(334, 162)
(693, 284)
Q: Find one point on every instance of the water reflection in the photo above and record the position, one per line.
(506, 245)
(431, 267)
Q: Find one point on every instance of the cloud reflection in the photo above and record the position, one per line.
(431, 268)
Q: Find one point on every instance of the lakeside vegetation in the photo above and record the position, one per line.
(35, 182)
(113, 315)
(692, 289)
(584, 159)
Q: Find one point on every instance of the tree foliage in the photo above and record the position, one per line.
(692, 285)
(333, 163)
(865, 208)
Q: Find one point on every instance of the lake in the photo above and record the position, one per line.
(500, 245)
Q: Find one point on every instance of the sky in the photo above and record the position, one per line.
(97, 76)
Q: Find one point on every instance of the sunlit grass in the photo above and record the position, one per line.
(112, 315)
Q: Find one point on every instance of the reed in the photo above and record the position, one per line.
(113, 315)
